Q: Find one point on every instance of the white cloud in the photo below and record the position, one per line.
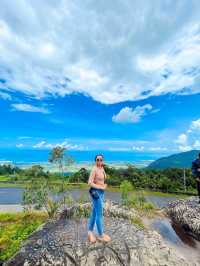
(156, 149)
(24, 137)
(29, 108)
(5, 96)
(196, 144)
(126, 50)
(184, 148)
(40, 144)
(130, 115)
(69, 146)
(191, 138)
(146, 148)
(182, 139)
(138, 148)
(20, 145)
(195, 125)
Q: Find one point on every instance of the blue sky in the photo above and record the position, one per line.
(100, 76)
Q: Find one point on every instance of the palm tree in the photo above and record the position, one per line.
(58, 155)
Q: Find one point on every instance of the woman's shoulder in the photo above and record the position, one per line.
(94, 168)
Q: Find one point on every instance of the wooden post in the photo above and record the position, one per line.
(184, 179)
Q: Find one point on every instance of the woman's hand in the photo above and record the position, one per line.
(105, 186)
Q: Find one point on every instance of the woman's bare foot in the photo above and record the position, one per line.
(104, 238)
(91, 238)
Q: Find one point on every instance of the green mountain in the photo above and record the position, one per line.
(179, 160)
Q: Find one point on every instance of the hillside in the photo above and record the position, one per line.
(179, 160)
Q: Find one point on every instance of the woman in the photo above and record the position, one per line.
(97, 186)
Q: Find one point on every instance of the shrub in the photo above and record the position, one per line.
(125, 188)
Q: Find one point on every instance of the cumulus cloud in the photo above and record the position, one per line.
(195, 125)
(191, 138)
(182, 139)
(126, 50)
(130, 115)
(29, 108)
(196, 144)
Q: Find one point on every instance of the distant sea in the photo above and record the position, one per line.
(20, 156)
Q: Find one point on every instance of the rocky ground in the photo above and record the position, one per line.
(64, 242)
(187, 214)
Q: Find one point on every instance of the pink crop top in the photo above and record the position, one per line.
(97, 175)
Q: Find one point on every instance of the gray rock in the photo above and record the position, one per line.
(187, 214)
(64, 242)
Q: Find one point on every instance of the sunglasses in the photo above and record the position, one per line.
(99, 160)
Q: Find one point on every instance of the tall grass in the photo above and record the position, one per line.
(135, 199)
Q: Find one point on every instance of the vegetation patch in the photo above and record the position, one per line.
(136, 199)
(16, 227)
(138, 222)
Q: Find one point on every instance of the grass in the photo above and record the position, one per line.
(15, 185)
(138, 201)
(151, 192)
(23, 184)
(163, 194)
(16, 227)
(138, 222)
(4, 178)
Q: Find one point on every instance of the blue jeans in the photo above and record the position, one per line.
(97, 213)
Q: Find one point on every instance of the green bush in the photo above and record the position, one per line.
(38, 195)
(138, 201)
(14, 228)
(125, 188)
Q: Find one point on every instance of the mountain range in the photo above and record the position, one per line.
(179, 160)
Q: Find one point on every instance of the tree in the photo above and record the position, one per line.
(81, 176)
(125, 188)
(58, 156)
(37, 171)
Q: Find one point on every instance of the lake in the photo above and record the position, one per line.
(13, 195)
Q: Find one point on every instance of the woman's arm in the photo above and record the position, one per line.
(91, 181)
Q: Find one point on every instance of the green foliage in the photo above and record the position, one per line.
(68, 200)
(138, 201)
(38, 195)
(125, 188)
(80, 176)
(4, 178)
(14, 228)
(82, 212)
(35, 195)
(58, 156)
(165, 180)
(36, 171)
(83, 198)
(138, 222)
(8, 169)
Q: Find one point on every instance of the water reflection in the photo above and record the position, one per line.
(178, 238)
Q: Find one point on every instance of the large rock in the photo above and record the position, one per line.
(187, 214)
(111, 209)
(64, 242)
